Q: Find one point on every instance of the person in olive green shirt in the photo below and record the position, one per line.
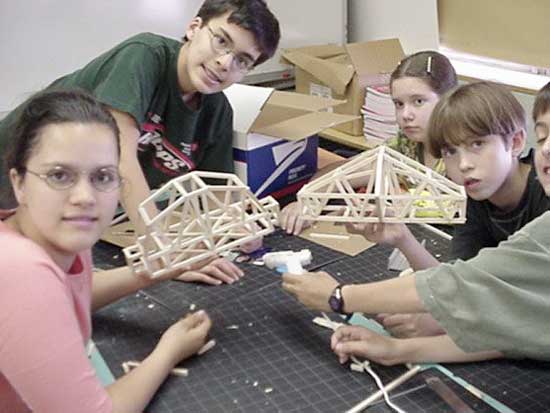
(167, 98)
(493, 305)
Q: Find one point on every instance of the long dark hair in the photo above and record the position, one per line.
(431, 67)
(53, 107)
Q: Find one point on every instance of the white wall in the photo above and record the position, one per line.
(414, 22)
(44, 39)
(304, 23)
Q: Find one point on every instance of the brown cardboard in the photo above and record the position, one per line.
(122, 235)
(335, 236)
(295, 116)
(269, 127)
(343, 72)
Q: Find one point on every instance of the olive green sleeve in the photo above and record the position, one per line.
(499, 300)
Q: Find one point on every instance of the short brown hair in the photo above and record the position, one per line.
(431, 67)
(251, 15)
(542, 102)
(474, 110)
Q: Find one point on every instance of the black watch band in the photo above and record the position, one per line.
(336, 300)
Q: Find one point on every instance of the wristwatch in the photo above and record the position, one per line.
(336, 300)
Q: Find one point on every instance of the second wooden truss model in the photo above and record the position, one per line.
(428, 196)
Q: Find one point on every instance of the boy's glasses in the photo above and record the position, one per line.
(61, 178)
(223, 46)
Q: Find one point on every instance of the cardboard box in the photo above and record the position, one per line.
(343, 72)
(274, 137)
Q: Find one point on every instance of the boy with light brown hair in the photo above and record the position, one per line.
(493, 305)
(479, 131)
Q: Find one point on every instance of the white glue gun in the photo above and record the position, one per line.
(291, 259)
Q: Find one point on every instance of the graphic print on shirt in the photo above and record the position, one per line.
(162, 154)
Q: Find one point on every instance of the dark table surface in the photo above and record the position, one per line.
(270, 357)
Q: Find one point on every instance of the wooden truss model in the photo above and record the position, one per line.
(428, 197)
(200, 220)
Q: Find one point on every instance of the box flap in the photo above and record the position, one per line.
(323, 51)
(335, 75)
(302, 101)
(303, 126)
(247, 102)
(375, 57)
(272, 114)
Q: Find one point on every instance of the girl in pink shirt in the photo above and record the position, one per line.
(63, 167)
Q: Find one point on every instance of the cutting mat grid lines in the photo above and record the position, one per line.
(270, 357)
(179, 296)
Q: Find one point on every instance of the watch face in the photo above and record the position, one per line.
(334, 303)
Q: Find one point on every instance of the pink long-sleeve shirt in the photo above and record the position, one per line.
(44, 325)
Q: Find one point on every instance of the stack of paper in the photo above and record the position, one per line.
(379, 123)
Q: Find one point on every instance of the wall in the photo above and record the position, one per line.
(303, 23)
(413, 22)
(49, 38)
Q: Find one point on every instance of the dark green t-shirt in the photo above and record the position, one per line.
(139, 77)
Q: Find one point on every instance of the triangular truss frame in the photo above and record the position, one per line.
(199, 220)
(432, 199)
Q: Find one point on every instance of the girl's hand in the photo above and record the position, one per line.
(214, 272)
(185, 337)
(253, 244)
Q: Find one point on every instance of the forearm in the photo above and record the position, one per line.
(438, 349)
(134, 192)
(326, 158)
(132, 392)
(135, 188)
(355, 183)
(327, 168)
(111, 285)
(418, 257)
(397, 295)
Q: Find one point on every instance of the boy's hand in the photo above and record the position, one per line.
(410, 325)
(311, 289)
(291, 219)
(185, 337)
(380, 233)
(359, 341)
(215, 272)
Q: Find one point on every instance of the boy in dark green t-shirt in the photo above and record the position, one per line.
(167, 99)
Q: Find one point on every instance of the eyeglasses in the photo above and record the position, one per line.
(61, 178)
(223, 46)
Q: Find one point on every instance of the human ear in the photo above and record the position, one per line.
(17, 185)
(193, 28)
(518, 142)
